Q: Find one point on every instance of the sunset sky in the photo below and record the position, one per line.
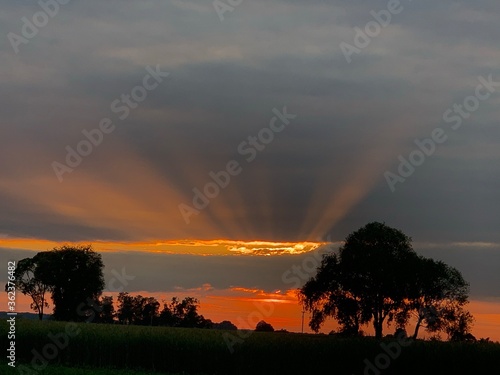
(304, 135)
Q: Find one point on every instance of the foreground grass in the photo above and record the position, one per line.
(199, 351)
(60, 370)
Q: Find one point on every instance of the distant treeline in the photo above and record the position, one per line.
(141, 310)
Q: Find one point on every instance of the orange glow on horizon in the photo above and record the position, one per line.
(194, 247)
(244, 306)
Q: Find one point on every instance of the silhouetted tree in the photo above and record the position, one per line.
(146, 310)
(262, 326)
(366, 281)
(107, 313)
(137, 310)
(325, 296)
(28, 282)
(437, 294)
(457, 323)
(126, 311)
(167, 317)
(182, 314)
(74, 274)
(377, 277)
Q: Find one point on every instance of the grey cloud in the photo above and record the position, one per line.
(225, 79)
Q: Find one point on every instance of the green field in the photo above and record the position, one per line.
(202, 351)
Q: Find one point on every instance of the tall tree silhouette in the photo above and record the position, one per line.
(74, 274)
(28, 282)
(366, 281)
(377, 277)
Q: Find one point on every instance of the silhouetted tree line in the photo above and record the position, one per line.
(140, 310)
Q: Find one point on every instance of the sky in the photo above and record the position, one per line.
(209, 148)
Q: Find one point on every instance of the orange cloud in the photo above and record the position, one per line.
(193, 247)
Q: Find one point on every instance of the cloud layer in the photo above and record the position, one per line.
(322, 175)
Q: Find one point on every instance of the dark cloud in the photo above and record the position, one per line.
(324, 172)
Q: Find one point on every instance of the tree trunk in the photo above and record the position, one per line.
(417, 327)
(377, 324)
(378, 330)
(40, 310)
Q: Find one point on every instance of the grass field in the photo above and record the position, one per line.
(61, 370)
(200, 351)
